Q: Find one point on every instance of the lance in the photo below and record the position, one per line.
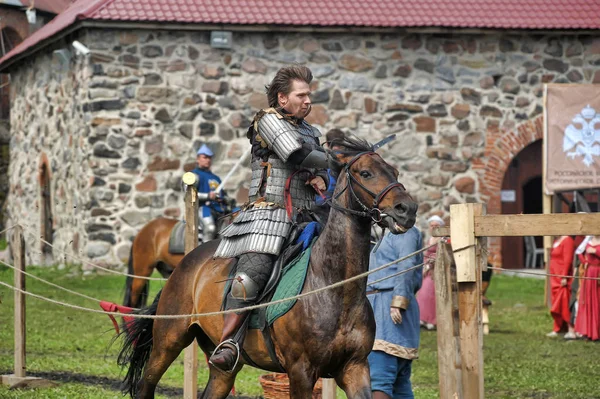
(232, 171)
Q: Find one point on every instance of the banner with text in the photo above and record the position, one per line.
(572, 141)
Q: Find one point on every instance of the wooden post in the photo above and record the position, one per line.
(190, 361)
(329, 388)
(546, 198)
(467, 256)
(17, 246)
(448, 339)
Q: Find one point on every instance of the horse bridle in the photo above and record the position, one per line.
(374, 212)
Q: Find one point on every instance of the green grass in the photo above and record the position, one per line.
(72, 347)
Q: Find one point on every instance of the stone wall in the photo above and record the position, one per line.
(47, 126)
(151, 98)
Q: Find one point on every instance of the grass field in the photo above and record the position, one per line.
(73, 348)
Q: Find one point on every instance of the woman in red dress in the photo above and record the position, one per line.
(561, 262)
(587, 322)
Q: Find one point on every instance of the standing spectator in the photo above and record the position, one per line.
(396, 315)
(580, 243)
(561, 263)
(588, 315)
(426, 296)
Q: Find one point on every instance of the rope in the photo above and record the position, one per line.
(540, 274)
(223, 312)
(50, 284)
(28, 231)
(397, 274)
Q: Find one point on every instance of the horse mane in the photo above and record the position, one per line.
(351, 144)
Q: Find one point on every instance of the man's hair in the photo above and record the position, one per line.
(335, 134)
(282, 82)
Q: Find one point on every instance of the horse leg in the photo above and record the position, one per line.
(355, 380)
(302, 380)
(170, 338)
(143, 265)
(219, 383)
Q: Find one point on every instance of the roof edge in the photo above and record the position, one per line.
(5, 66)
(325, 29)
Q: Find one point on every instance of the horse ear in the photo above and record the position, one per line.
(337, 160)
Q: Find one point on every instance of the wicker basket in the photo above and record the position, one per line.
(277, 386)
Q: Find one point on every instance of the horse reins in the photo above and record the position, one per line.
(374, 212)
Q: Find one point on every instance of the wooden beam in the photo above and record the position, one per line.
(190, 361)
(448, 338)
(462, 227)
(467, 250)
(18, 251)
(537, 225)
(19, 378)
(329, 388)
(441, 231)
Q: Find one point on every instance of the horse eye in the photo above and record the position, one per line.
(365, 174)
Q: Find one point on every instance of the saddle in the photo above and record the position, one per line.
(177, 238)
(286, 280)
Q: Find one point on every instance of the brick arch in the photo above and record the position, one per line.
(501, 146)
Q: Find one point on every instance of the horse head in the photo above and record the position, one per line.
(372, 187)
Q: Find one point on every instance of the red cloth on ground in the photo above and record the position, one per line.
(561, 262)
(426, 295)
(587, 322)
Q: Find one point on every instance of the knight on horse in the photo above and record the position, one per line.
(212, 201)
(288, 166)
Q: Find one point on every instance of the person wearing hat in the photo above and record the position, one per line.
(207, 184)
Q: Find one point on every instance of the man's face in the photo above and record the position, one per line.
(204, 161)
(297, 102)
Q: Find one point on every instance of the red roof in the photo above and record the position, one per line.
(484, 14)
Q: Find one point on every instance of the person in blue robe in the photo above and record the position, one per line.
(396, 315)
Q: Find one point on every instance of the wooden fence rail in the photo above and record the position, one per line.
(460, 360)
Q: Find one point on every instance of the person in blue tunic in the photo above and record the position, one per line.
(396, 315)
(210, 200)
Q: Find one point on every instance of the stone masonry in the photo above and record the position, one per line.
(120, 127)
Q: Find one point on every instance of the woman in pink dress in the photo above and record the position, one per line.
(426, 295)
(587, 322)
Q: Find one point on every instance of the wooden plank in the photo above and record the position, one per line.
(537, 225)
(441, 231)
(190, 361)
(468, 249)
(462, 217)
(329, 388)
(18, 252)
(449, 369)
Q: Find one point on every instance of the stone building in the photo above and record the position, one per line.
(15, 25)
(110, 133)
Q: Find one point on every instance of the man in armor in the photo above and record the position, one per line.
(207, 184)
(288, 162)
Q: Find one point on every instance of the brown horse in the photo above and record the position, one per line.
(329, 334)
(150, 250)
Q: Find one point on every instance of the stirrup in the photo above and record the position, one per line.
(237, 359)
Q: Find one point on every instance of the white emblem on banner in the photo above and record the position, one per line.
(584, 140)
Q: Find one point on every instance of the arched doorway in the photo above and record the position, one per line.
(46, 219)
(521, 193)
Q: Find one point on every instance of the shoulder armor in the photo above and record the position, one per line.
(281, 136)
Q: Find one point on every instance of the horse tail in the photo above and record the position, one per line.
(129, 280)
(136, 347)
